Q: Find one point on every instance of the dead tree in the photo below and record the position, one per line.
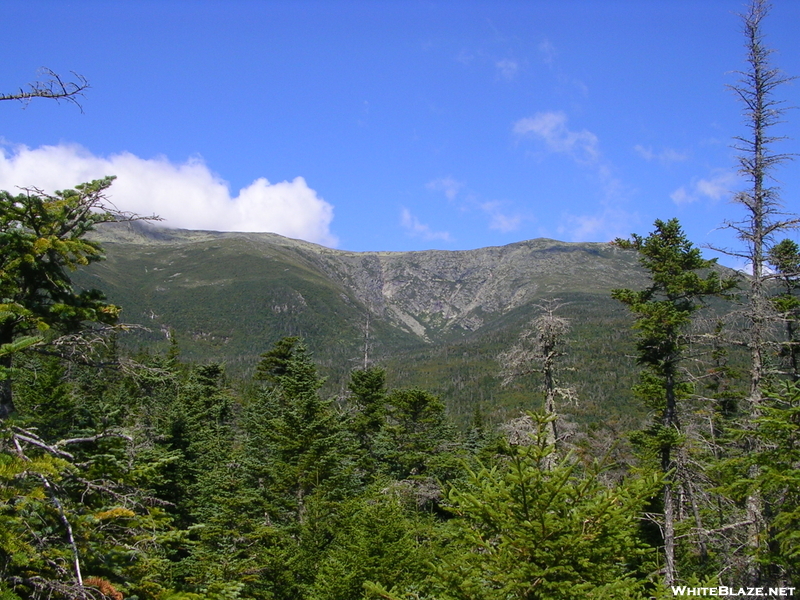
(764, 219)
(537, 350)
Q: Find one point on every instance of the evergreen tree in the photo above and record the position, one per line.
(82, 507)
(274, 362)
(664, 312)
(43, 237)
(367, 398)
(521, 531)
(417, 439)
(764, 218)
(777, 465)
(45, 397)
(785, 260)
(379, 537)
(299, 458)
(779, 481)
(302, 440)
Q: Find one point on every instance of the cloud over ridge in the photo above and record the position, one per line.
(186, 195)
(415, 228)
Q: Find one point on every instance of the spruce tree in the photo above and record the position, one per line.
(520, 531)
(43, 237)
(299, 462)
(776, 464)
(367, 400)
(784, 258)
(417, 440)
(664, 312)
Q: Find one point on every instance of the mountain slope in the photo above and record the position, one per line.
(435, 318)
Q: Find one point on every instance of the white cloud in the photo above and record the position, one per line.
(448, 185)
(504, 223)
(507, 67)
(681, 196)
(645, 153)
(465, 200)
(498, 220)
(585, 227)
(551, 127)
(582, 146)
(666, 156)
(414, 228)
(186, 195)
(716, 187)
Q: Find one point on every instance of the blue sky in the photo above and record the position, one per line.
(397, 124)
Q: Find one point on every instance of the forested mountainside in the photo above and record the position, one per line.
(144, 473)
(437, 319)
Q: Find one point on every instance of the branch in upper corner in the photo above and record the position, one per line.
(52, 87)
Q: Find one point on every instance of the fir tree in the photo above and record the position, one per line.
(43, 237)
(664, 312)
(784, 258)
(521, 531)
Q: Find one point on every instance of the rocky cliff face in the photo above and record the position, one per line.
(434, 292)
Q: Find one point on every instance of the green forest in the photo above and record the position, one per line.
(143, 475)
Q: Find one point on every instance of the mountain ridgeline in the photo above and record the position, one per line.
(434, 319)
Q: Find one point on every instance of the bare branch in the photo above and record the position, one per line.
(53, 87)
(31, 438)
(537, 343)
(94, 438)
(98, 203)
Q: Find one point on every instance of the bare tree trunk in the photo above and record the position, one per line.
(539, 345)
(702, 546)
(669, 421)
(76, 561)
(548, 370)
(669, 535)
(6, 398)
(366, 343)
(763, 219)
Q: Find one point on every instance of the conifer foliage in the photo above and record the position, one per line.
(43, 237)
(526, 528)
(664, 313)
